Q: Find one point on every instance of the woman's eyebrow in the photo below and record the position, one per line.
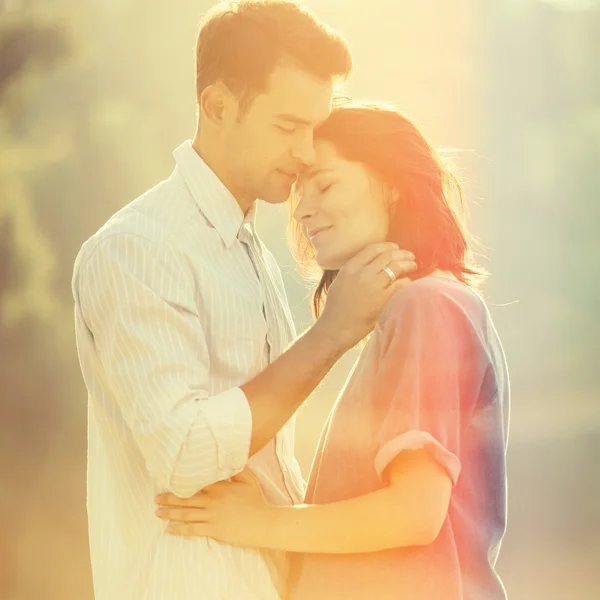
(312, 173)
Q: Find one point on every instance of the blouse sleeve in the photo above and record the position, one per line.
(425, 365)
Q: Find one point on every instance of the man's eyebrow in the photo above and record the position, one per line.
(294, 119)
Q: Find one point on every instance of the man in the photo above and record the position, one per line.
(182, 322)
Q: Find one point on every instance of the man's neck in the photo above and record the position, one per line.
(213, 159)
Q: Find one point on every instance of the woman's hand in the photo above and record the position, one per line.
(235, 512)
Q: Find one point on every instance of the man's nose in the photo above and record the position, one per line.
(304, 149)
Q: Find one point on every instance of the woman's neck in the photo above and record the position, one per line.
(443, 274)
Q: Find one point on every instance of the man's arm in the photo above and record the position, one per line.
(136, 300)
(354, 303)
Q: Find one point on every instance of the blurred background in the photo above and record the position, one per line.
(95, 95)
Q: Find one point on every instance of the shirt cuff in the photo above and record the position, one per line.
(230, 420)
(416, 440)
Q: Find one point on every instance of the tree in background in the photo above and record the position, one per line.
(28, 303)
(83, 114)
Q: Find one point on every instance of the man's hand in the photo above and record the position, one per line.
(234, 512)
(354, 302)
(361, 290)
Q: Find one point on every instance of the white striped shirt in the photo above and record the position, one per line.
(171, 318)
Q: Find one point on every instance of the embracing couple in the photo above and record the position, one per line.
(194, 369)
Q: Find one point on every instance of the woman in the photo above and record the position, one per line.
(406, 497)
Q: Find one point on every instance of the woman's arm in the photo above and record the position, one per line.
(410, 511)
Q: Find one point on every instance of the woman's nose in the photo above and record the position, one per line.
(304, 209)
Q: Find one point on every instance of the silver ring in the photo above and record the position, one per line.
(390, 274)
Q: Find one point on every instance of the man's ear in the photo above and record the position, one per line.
(216, 104)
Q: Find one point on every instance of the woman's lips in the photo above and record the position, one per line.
(313, 234)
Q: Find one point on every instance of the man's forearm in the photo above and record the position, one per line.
(354, 302)
(278, 391)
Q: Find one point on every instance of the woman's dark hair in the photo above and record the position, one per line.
(427, 218)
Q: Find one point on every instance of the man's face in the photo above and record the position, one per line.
(272, 140)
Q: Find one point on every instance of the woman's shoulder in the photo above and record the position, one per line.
(433, 297)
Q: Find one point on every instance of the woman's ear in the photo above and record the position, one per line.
(393, 197)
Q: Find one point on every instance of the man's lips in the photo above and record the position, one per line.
(292, 176)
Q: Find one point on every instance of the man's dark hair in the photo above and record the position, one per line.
(240, 43)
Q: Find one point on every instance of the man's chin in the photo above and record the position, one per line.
(276, 196)
(275, 200)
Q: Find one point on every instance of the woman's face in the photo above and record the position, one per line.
(342, 207)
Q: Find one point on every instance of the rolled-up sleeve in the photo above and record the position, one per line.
(137, 300)
(425, 366)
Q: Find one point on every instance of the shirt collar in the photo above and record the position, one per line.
(215, 201)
